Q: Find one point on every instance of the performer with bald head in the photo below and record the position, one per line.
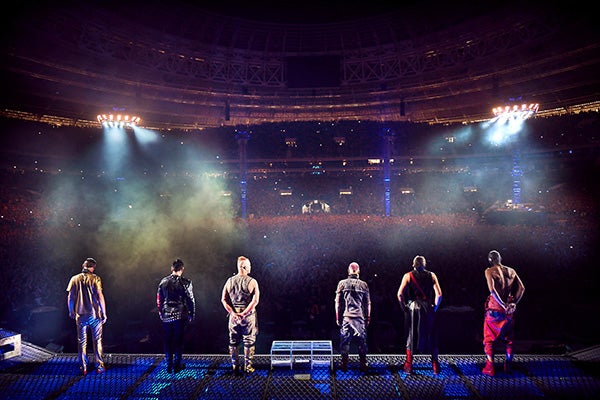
(506, 290)
(352, 315)
(239, 297)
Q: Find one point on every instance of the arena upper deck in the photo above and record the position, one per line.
(177, 65)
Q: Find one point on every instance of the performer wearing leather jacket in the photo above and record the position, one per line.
(176, 307)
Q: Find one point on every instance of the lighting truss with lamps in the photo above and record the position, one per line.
(118, 120)
(524, 110)
(516, 112)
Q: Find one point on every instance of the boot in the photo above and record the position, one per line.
(489, 368)
(178, 367)
(363, 363)
(248, 356)
(344, 363)
(169, 358)
(508, 364)
(435, 364)
(408, 362)
(234, 354)
(178, 364)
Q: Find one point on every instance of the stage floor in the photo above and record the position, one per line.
(40, 374)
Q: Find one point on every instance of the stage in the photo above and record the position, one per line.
(38, 373)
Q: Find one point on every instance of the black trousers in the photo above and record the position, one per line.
(173, 340)
(421, 328)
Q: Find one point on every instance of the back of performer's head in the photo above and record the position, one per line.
(353, 268)
(419, 262)
(494, 257)
(243, 263)
(177, 264)
(89, 263)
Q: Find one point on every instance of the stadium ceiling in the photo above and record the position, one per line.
(181, 66)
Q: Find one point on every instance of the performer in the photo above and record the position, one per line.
(420, 295)
(176, 307)
(506, 290)
(352, 315)
(240, 297)
(88, 308)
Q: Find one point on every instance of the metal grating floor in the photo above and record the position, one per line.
(39, 374)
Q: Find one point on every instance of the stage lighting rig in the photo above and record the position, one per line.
(118, 120)
(522, 111)
(508, 122)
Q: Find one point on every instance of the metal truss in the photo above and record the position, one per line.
(177, 82)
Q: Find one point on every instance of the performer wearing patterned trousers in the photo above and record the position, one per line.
(506, 290)
(239, 297)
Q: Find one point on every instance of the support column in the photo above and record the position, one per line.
(242, 140)
(516, 174)
(388, 137)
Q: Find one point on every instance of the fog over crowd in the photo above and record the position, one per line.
(135, 202)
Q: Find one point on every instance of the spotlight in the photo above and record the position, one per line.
(118, 120)
(523, 111)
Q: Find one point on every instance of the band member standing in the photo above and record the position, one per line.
(420, 295)
(353, 315)
(506, 290)
(239, 297)
(176, 307)
(88, 308)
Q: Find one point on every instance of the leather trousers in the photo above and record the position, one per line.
(173, 341)
(422, 335)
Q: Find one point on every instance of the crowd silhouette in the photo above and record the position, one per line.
(51, 217)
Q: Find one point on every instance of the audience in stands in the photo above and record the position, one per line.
(439, 217)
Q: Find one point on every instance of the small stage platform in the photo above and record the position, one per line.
(40, 374)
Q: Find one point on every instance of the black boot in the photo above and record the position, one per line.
(508, 364)
(235, 362)
(169, 359)
(344, 363)
(363, 363)
(178, 365)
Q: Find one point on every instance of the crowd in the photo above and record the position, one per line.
(299, 258)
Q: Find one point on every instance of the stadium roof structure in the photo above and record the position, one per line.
(181, 65)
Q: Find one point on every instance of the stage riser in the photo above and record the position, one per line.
(10, 344)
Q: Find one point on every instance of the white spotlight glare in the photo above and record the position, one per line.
(119, 120)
